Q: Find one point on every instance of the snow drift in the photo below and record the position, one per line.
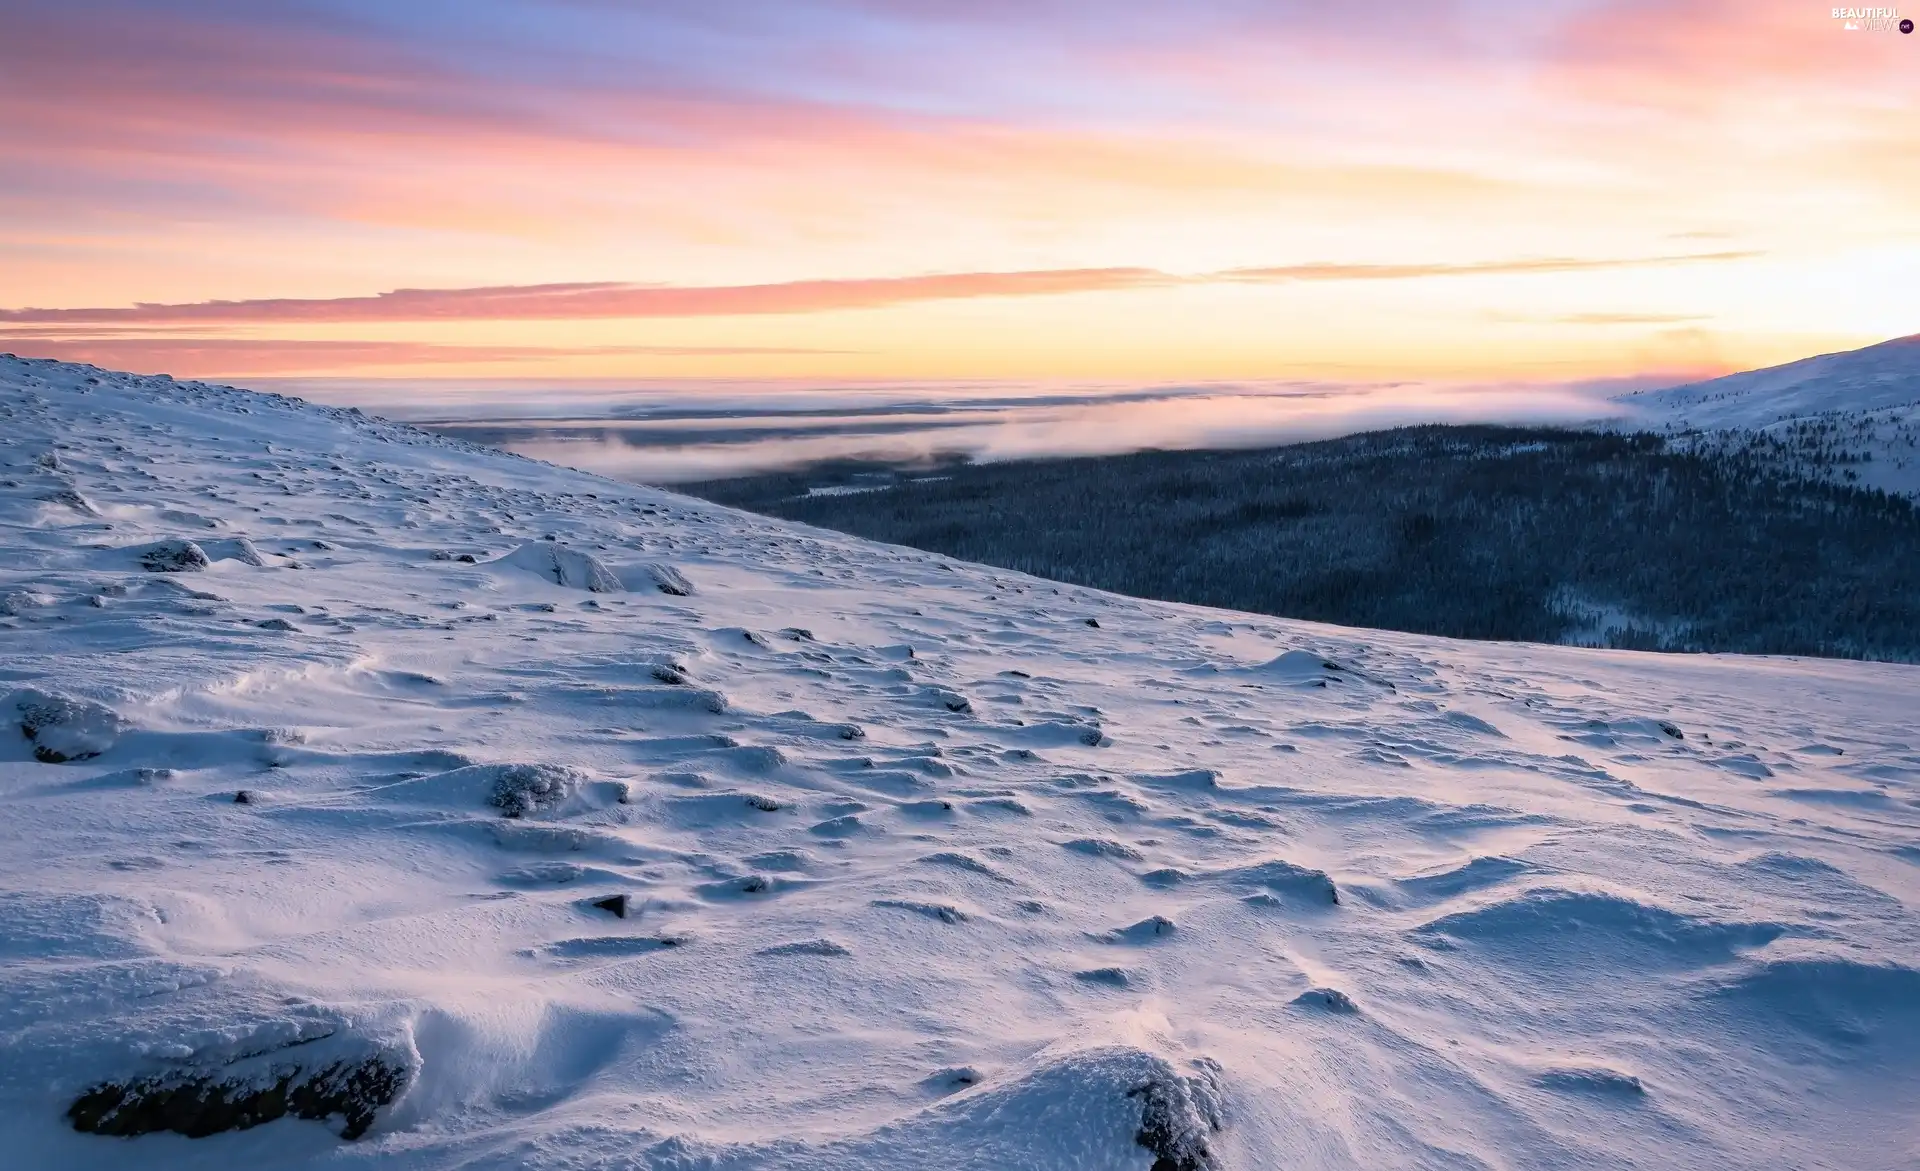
(328, 845)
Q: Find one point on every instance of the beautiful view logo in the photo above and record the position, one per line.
(1872, 20)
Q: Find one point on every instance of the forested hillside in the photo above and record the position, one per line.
(1626, 540)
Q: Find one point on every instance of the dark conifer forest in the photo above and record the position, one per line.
(1623, 540)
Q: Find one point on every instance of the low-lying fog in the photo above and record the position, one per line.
(666, 434)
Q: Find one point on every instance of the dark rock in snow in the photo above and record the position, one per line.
(246, 797)
(1177, 1116)
(1594, 1080)
(1329, 999)
(70, 498)
(944, 912)
(616, 905)
(174, 556)
(237, 1098)
(63, 728)
(1150, 928)
(520, 789)
(952, 700)
(949, 1080)
(669, 580)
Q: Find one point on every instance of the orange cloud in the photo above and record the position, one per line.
(1596, 318)
(580, 301)
(1394, 272)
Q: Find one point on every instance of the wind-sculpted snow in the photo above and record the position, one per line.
(454, 810)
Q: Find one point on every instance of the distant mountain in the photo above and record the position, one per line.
(1879, 377)
(1851, 417)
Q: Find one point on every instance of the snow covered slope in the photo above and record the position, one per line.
(1853, 416)
(499, 816)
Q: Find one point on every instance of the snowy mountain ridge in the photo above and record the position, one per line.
(1852, 416)
(373, 797)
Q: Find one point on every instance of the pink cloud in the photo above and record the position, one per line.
(581, 301)
(209, 357)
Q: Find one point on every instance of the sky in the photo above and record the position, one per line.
(1126, 191)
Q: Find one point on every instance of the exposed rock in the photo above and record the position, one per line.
(616, 905)
(947, 698)
(806, 947)
(176, 555)
(234, 549)
(1145, 931)
(1329, 999)
(243, 1095)
(669, 580)
(19, 602)
(1596, 1080)
(63, 728)
(521, 789)
(70, 497)
(1178, 1115)
(944, 912)
(563, 566)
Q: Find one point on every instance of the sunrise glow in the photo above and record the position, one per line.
(1048, 189)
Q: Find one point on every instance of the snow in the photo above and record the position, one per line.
(922, 868)
(1873, 378)
(1853, 415)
